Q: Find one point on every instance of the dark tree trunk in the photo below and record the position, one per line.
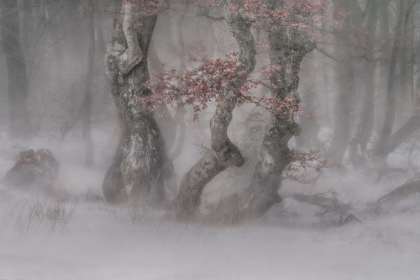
(140, 164)
(57, 29)
(381, 146)
(223, 153)
(358, 145)
(20, 125)
(345, 75)
(74, 26)
(87, 114)
(28, 26)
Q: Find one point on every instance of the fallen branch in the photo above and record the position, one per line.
(412, 186)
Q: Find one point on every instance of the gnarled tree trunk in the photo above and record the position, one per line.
(140, 164)
(223, 152)
(287, 50)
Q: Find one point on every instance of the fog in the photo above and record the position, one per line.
(225, 139)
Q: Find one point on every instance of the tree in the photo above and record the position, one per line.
(381, 145)
(87, 114)
(345, 77)
(288, 45)
(223, 152)
(227, 81)
(20, 124)
(366, 125)
(140, 164)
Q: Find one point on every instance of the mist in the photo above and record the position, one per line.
(224, 139)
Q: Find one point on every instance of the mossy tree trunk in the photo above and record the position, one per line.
(140, 164)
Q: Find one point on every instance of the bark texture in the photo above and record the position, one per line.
(20, 125)
(223, 153)
(287, 49)
(140, 164)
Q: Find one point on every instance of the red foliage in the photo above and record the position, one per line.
(216, 76)
(302, 162)
(209, 82)
(293, 14)
(146, 7)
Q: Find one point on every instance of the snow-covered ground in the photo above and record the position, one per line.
(73, 234)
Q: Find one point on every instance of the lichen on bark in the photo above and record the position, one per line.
(140, 165)
(287, 49)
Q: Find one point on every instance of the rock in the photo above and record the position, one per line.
(32, 168)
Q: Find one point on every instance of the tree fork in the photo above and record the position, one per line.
(223, 153)
(287, 49)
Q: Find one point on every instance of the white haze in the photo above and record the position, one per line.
(95, 240)
(73, 233)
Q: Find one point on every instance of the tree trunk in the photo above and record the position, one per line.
(412, 186)
(287, 49)
(381, 146)
(140, 164)
(345, 83)
(223, 153)
(367, 120)
(28, 27)
(57, 27)
(87, 114)
(20, 125)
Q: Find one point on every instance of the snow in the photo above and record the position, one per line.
(91, 239)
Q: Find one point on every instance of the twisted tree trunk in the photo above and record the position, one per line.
(223, 153)
(287, 49)
(365, 127)
(140, 164)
